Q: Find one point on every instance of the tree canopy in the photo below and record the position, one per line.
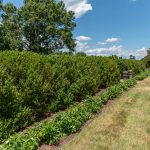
(39, 26)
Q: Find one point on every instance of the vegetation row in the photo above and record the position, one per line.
(65, 123)
(32, 85)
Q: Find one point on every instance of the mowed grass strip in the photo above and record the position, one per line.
(125, 125)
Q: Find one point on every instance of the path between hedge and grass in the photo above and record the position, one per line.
(123, 125)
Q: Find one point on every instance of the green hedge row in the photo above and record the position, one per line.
(147, 60)
(50, 132)
(125, 64)
(32, 85)
(142, 75)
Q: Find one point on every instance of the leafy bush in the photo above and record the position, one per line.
(32, 85)
(64, 123)
(147, 59)
(125, 64)
(142, 75)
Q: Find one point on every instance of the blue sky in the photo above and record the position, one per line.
(106, 27)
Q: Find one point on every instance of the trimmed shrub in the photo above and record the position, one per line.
(136, 66)
(32, 85)
(147, 60)
(65, 123)
(142, 75)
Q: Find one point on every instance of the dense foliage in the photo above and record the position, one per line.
(32, 85)
(147, 59)
(40, 26)
(81, 54)
(65, 123)
(126, 64)
(142, 75)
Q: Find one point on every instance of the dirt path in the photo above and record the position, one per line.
(124, 126)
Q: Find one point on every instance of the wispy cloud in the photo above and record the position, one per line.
(81, 46)
(105, 51)
(118, 50)
(80, 7)
(101, 43)
(112, 40)
(82, 43)
(109, 40)
(83, 38)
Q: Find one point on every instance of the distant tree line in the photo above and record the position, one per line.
(39, 26)
(132, 57)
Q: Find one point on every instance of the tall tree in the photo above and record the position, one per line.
(47, 26)
(0, 4)
(42, 26)
(132, 57)
(9, 28)
(1, 37)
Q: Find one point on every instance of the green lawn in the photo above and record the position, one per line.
(124, 125)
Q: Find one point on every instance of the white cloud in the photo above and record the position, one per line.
(109, 40)
(101, 43)
(116, 50)
(81, 46)
(83, 38)
(112, 40)
(105, 51)
(140, 53)
(82, 43)
(119, 50)
(80, 7)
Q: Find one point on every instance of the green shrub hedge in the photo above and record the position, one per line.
(147, 59)
(125, 64)
(32, 85)
(65, 123)
(142, 75)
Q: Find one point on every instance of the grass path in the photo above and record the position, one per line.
(125, 125)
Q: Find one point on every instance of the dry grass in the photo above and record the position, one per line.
(124, 126)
